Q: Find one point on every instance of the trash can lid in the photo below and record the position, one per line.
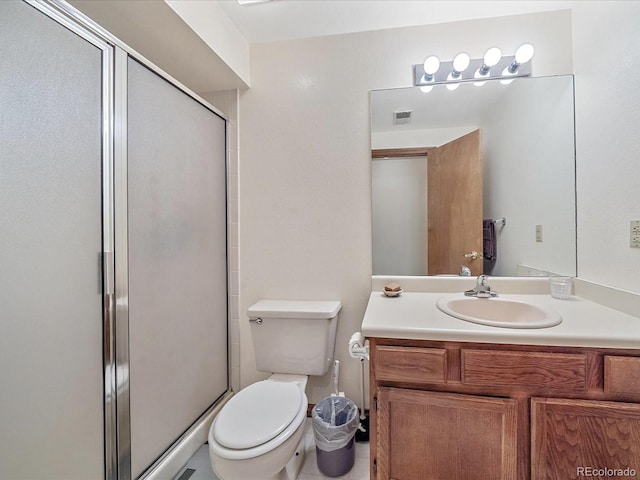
(257, 414)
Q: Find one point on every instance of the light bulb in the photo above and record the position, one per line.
(492, 56)
(426, 89)
(452, 86)
(524, 53)
(461, 62)
(431, 65)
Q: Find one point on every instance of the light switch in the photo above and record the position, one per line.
(538, 233)
(635, 234)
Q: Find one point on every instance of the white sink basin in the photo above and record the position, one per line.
(498, 312)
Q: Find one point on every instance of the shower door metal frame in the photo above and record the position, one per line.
(114, 261)
(122, 428)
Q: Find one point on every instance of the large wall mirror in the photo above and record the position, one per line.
(481, 177)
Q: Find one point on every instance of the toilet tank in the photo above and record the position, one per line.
(294, 336)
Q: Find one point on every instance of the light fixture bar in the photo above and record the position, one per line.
(440, 77)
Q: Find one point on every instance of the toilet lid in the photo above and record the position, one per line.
(257, 413)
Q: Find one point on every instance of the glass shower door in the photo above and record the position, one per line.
(177, 271)
(51, 296)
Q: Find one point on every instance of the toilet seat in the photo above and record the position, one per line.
(258, 419)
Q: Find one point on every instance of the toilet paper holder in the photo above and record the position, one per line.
(359, 346)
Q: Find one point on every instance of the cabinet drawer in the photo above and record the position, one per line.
(408, 364)
(524, 369)
(622, 374)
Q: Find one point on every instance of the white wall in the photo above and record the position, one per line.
(607, 66)
(305, 189)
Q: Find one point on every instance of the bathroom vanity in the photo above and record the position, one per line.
(452, 399)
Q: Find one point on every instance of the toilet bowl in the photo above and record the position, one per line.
(259, 433)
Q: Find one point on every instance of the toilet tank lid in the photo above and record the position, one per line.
(295, 309)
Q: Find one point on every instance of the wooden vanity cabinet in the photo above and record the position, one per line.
(453, 410)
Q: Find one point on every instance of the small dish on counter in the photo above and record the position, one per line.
(389, 293)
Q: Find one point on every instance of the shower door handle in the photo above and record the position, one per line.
(107, 273)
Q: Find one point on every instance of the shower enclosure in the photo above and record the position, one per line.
(113, 252)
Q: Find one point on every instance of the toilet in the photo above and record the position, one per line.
(259, 433)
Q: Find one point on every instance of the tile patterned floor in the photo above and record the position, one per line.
(310, 471)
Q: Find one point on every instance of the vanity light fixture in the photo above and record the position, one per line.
(462, 69)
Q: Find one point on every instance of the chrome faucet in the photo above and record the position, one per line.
(482, 288)
(464, 271)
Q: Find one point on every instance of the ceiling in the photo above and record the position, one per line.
(278, 20)
(152, 28)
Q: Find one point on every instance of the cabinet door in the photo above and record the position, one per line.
(580, 438)
(439, 436)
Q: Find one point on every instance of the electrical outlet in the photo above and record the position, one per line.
(635, 234)
(538, 233)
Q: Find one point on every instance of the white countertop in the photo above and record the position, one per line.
(414, 315)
